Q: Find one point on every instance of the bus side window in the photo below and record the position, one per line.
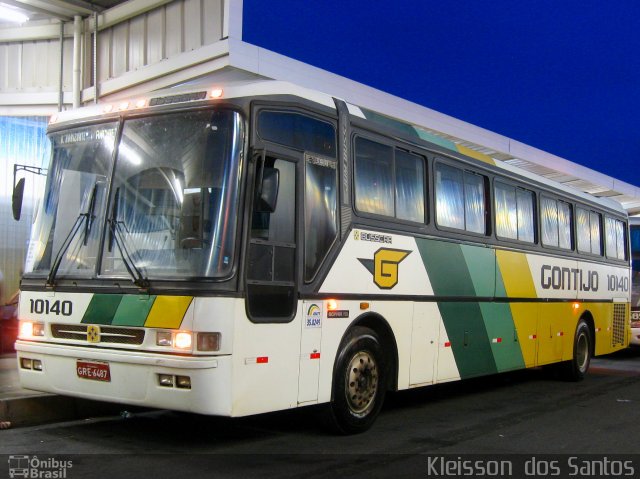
(320, 214)
(588, 227)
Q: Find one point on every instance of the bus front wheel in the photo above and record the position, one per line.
(576, 368)
(359, 382)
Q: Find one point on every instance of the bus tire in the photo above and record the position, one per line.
(576, 369)
(359, 382)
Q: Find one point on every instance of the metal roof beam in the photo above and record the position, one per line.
(47, 8)
(81, 4)
(21, 4)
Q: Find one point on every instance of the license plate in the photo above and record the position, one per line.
(93, 370)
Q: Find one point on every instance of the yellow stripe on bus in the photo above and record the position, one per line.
(168, 312)
(518, 283)
(475, 154)
(516, 275)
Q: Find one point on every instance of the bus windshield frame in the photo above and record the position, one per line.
(155, 194)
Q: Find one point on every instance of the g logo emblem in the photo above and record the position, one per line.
(384, 266)
(93, 333)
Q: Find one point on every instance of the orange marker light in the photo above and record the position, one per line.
(53, 119)
(141, 103)
(332, 304)
(107, 108)
(576, 305)
(216, 93)
(123, 106)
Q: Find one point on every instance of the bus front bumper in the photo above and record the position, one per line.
(129, 377)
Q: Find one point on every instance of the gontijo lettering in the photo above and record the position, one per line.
(568, 279)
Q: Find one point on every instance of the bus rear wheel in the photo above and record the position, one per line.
(359, 382)
(576, 369)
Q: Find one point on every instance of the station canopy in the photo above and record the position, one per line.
(248, 60)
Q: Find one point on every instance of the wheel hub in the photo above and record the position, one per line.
(362, 382)
(582, 352)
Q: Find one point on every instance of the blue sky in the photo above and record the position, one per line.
(563, 76)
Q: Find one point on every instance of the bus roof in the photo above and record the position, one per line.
(225, 86)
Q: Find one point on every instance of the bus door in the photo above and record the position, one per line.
(272, 295)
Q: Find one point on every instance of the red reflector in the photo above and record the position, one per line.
(447, 344)
(262, 359)
(497, 340)
(314, 355)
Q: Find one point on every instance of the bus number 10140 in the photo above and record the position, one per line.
(57, 307)
(618, 283)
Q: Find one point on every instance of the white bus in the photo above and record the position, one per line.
(634, 237)
(258, 247)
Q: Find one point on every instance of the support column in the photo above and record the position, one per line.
(77, 57)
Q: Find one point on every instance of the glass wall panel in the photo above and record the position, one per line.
(23, 141)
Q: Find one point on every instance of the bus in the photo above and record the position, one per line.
(634, 233)
(259, 246)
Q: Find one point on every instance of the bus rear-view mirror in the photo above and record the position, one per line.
(16, 199)
(268, 193)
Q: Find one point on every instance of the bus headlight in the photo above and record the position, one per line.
(183, 340)
(209, 341)
(31, 329)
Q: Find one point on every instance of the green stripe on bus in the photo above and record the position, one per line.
(425, 135)
(481, 263)
(498, 321)
(102, 308)
(468, 336)
(463, 321)
(446, 268)
(497, 318)
(133, 310)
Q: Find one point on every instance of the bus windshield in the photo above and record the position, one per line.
(168, 208)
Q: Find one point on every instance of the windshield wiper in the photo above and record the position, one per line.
(87, 218)
(89, 215)
(115, 234)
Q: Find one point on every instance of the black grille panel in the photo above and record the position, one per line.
(108, 334)
(619, 323)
